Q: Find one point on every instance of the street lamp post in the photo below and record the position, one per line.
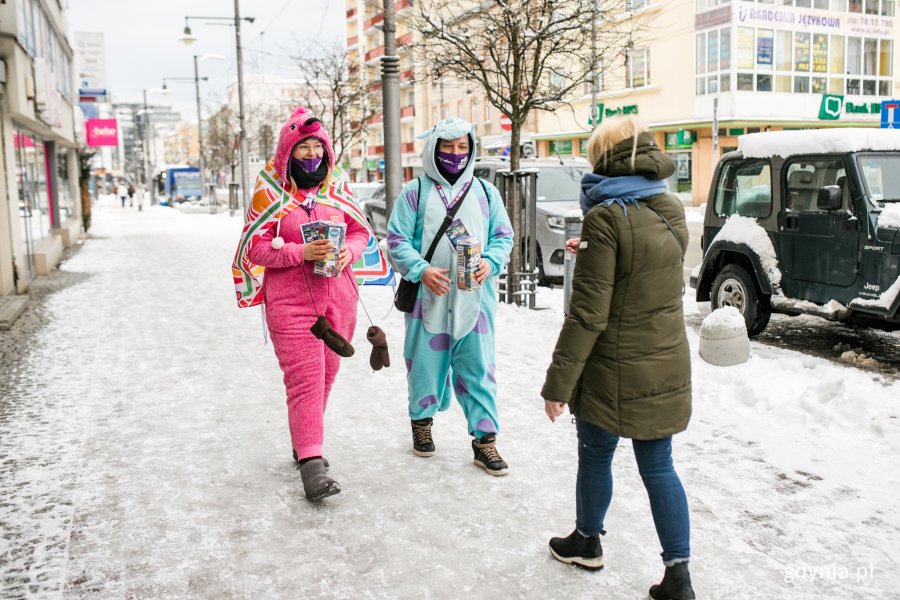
(196, 79)
(189, 39)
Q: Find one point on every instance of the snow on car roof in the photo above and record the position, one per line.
(817, 141)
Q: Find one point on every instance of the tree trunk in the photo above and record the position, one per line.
(85, 204)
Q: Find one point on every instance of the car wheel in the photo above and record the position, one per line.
(733, 286)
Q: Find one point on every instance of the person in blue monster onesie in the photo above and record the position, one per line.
(449, 343)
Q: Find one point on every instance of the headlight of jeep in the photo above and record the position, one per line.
(556, 223)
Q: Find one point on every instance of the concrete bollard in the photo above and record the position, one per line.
(723, 338)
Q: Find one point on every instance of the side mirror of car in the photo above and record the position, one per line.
(829, 198)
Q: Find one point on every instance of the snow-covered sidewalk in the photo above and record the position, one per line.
(144, 453)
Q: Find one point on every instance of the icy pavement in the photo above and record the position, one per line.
(144, 453)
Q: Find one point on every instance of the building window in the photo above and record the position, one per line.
(764, 50)
(637, 67)
(487, 111)
(561, 147)
(801, 51)
(588, 88)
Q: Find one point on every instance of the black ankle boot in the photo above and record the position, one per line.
(675, 585)
(423, 444)
(575, 549)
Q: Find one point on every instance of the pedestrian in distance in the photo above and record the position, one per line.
(309, 316)
(122, 191)
(130, 195)
(622, 361)
(449, 344)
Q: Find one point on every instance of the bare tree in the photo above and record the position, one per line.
(222, 144)
(337, 95)
(526, 55)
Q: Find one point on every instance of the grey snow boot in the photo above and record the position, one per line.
(675, 585)
(316, 484)
(297, 460)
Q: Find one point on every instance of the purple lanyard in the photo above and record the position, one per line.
(447, 203)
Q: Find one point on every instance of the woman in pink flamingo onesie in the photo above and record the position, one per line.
(296, 298)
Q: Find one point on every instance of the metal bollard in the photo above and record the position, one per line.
(573, 230)
(213, 204)
(232, 197)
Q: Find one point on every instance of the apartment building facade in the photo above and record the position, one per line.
(743, 67)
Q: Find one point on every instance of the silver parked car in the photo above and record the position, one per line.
(558, 188)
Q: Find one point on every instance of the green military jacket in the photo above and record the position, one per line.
(622, 360)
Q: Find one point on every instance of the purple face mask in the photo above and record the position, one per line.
(309, 165)
(452, 163)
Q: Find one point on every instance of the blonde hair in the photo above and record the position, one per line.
(611, 132)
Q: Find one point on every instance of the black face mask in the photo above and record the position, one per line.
(306, 180)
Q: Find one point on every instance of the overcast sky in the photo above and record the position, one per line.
(142, 44)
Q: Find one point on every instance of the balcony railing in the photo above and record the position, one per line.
(375, 119)
(352, 41)
(370, 23)
(374, 53)
(376, 150)
(351, 13)
(407, 111)
(374, 86)
(405, 39)
(401, 4)
(408, 147)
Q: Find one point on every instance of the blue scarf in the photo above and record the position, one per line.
(599, 190)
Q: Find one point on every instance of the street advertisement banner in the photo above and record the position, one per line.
(102, 132)
(812, 20)
(90, 66)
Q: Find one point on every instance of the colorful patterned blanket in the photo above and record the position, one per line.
(263, 213)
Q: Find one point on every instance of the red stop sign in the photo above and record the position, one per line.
(505, 123)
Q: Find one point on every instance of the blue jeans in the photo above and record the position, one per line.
(668, 502)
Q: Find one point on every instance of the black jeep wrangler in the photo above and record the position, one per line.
(792, 226)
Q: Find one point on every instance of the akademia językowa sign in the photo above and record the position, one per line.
(813, 20)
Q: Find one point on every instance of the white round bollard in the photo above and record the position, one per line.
(723, 338)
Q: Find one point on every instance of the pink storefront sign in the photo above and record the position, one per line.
(102, 132)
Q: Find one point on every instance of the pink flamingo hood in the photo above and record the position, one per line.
(300, 126)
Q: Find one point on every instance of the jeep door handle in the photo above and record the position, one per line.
(792, 222)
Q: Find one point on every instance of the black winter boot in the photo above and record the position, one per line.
(423, 445)
(575, 549)
(297, 460)
(316, 484)
(487, 457)
(675, 585)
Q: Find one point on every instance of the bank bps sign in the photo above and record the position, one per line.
(833, 106)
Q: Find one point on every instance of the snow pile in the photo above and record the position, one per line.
(885, 300)
(723, 320)
(890, 216)
(831, 310)
(745, 230)
(817, 141)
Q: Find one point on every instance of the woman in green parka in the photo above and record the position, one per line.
(622, 361)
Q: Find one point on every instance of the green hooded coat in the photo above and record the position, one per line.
(622, 360)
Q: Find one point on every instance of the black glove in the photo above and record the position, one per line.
(379, 357)
(322, 330)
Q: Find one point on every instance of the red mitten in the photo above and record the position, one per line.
(379, 357)
(322, 330)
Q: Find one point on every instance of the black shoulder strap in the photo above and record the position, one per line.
(443, 228)
(669, 225)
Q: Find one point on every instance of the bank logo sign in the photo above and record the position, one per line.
(831, 108)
